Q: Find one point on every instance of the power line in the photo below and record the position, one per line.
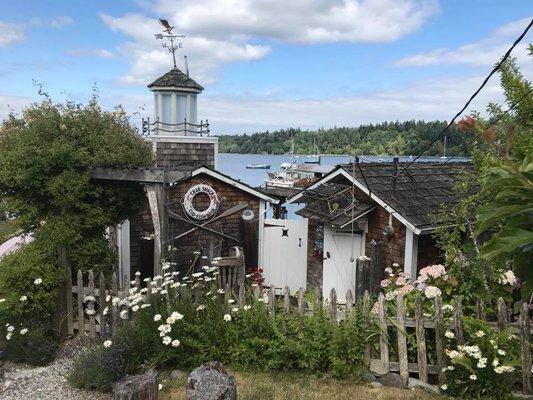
(494, 70)
(491, 124)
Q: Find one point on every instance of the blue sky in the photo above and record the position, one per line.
(266, 64)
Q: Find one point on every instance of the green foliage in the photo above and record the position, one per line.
(245, 338)
(485, 367)
(45, 182)
(388, 138)
(98, 367)
(37, 347)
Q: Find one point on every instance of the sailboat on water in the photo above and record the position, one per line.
(444, 145)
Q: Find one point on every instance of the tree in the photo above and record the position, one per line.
(45, 184)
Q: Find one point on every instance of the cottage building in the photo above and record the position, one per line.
(368, 209)
(192, 213)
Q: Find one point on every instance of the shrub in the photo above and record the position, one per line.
(99, 367)
(484, 366)
(28, 292)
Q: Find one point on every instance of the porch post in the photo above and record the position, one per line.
(156, 199)
(411, 253)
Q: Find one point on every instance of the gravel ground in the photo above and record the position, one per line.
(24, 382)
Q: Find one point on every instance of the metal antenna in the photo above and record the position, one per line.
(186, 65)
(173, 46)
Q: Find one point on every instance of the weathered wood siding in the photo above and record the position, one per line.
(169, 154)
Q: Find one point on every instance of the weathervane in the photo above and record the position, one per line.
(173, 46)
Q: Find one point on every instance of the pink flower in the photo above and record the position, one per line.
(401, 281)
(406, 289)
(384, 283)
(432, 271)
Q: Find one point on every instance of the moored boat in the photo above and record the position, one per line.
(258, 166)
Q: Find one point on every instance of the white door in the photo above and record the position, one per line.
(339, 270)
(285, 253)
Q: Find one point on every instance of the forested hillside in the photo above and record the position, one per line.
(387, 138)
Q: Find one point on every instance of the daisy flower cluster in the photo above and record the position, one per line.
(480, 364)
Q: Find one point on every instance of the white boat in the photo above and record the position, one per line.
(258, 166)
(292, 174)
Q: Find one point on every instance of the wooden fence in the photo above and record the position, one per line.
(96, 312)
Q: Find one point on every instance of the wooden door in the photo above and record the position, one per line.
(285, 253)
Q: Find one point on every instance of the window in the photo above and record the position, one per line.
(192, 112)
(182, 107)
(166, 108)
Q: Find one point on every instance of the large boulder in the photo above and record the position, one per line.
(137, 387)
(210, 381)
(392, 379)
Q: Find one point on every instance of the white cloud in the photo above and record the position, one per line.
(10, 103)
(485, 52)
(225, 31)
(57, 22)
(10, 33)
(430, 100)
(100, 53)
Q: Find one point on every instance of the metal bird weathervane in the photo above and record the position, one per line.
(173, 46)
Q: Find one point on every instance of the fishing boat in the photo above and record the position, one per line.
(258, 166)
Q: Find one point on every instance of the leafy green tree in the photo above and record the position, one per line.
(45, 182)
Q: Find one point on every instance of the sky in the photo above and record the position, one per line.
(265, 64)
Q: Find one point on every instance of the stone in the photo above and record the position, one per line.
(375, 385)
(210, 381)
(392, 380)
(418, 384)
(137, 387)
(368, 376)
(177, 374)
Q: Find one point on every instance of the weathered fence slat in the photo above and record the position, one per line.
(102, 303)
(287, 300)
(480, 309)
(242, 295)
(458, 316)
(383, 333)
(301, 302)
(114, 307)
(421, 340)
(272, 302)
(333, 304)
(402, 340)
(81, 312)
(349, 302)
(90, 306)
(70, 317)
(439, 335)
(366, 319)
(524, 323)
(318, 295)
(502, 314)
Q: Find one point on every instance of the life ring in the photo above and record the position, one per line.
(193, 191)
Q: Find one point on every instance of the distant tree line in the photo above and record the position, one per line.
(387, 138)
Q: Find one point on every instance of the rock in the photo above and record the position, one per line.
(392, 380)
(368, 376)
(210, 381)
(137, 387)
(177, 374)
(418, 384)
(375, 385)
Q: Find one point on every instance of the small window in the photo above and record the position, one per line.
(182, 107)
(166, 108)
(192, 112)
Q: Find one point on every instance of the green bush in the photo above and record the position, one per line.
(485, 366)
(177, 332)
(99, 367)
(28, 292)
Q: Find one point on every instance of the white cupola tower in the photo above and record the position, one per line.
(175, 103)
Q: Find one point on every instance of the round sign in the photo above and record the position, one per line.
(210, 211)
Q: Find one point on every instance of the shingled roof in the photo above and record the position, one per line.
(420, 191)
(176, 79)
(332, 203)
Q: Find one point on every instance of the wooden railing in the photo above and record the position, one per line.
(184, 128)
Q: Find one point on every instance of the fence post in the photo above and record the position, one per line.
(439, 334)
(81, 312)
(301, 301)
(272, 302)
(421, 340)
(90, 306)
(458, 315)
(480, 309)
(114, 308)
(366, 319)
(333, 304)
(242, 295)
(70, 310)
(524, 326)
(383, 333)
(402, 340)
(102, 304)
(349, 302)
(502, 314)
(287, 300)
